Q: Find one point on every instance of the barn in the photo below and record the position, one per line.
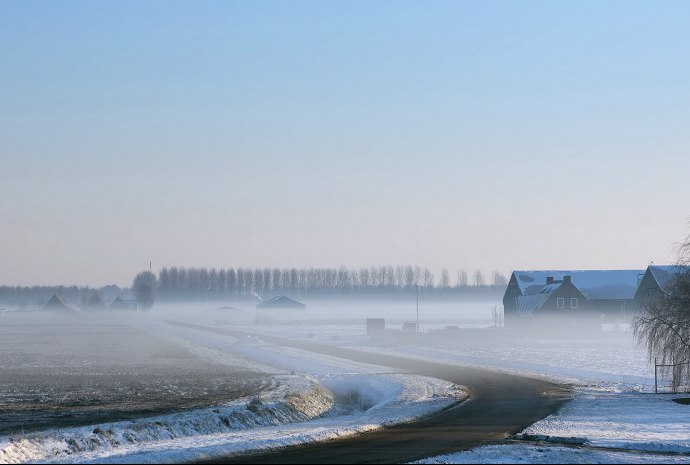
(657, 279)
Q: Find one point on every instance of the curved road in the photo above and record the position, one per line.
(500, 405)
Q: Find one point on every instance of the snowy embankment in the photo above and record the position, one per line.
(331, 398)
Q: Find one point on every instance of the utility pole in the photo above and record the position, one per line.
(417, 288)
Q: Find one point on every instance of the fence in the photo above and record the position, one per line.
(679, 373)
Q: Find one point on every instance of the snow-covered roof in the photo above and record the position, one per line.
(594, 284)
(528, 304)
(550, 288)
(280, 301)
(663, 273)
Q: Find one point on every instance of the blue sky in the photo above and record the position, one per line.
(490, 135)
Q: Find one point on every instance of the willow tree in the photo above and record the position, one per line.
(144, 286)
(663, 323)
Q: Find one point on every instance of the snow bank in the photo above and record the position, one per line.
(291, 399)
(295, 411)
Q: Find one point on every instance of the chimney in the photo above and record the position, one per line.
(567, 279)
(549, 280)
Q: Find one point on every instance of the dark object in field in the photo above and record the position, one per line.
(682, 400)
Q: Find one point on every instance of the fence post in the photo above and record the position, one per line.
(656, 388)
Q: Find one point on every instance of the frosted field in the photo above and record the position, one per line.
(61, 372)
(612, 407)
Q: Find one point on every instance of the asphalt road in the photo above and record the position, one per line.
(500, 405)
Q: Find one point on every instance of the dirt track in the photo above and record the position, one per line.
(500, 405)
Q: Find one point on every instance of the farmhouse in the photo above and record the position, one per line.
(594, 295)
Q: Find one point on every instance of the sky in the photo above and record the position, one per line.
(463, 134)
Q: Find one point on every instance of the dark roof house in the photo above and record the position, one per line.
(554, 297)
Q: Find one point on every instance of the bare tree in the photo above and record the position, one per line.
(463, 280)
(499, 279)
(478, 278)
(663, 323)
(445, 280)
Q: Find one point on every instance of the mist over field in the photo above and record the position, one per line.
(344, 232)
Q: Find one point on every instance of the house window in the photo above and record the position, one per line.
(560, 302)
(573, 302)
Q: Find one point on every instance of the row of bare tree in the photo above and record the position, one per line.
(259, 281)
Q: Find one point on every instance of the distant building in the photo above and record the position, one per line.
(56, 304)
(279, 302)
(124, 304)
(278, 307)
(596, 295)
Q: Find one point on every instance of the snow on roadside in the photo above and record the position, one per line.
(529, 453)
(625, 420)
